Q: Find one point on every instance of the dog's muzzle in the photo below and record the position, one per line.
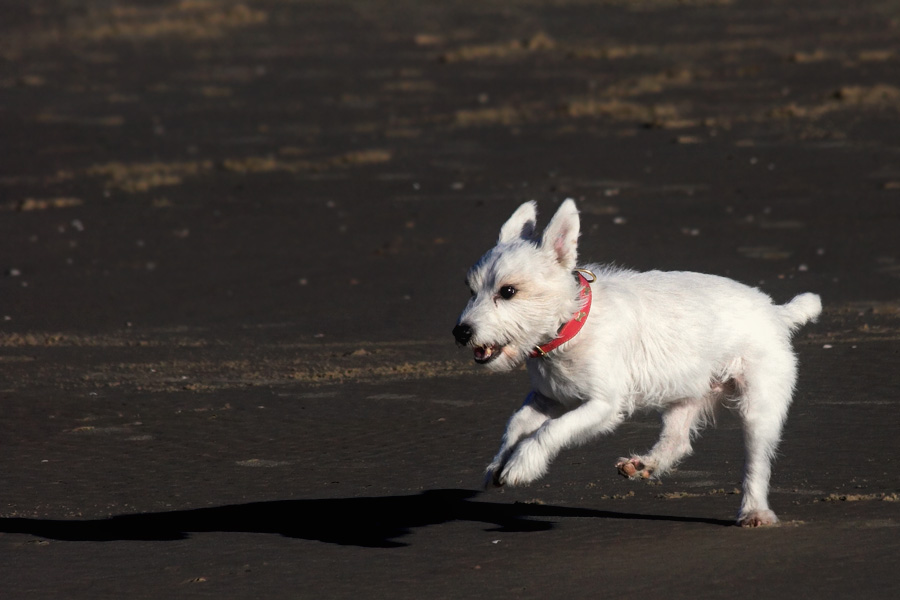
(462, 333)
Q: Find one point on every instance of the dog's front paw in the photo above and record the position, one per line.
(492, 475)
(528, 463)
(634, 468)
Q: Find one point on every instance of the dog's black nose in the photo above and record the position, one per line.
(462, 333)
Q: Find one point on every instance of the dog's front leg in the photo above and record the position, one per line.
(535, 411)
(532, 456)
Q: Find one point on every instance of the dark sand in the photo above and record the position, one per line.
(233, 238)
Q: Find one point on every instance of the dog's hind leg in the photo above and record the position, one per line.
(763, 408)
(680, 423)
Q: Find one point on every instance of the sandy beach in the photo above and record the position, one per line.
(233, 239)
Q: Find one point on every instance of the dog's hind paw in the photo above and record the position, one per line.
(758, 518)
(634, 468)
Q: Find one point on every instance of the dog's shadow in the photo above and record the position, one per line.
(369, 522)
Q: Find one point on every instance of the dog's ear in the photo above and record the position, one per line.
(521, 224)
(561, 235)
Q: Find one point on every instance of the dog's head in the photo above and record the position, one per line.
(522, 288)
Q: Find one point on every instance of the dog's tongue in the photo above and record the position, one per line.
(483, 353)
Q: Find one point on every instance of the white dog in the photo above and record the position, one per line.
(602, 342)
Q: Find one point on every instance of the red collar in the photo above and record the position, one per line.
(570, 328)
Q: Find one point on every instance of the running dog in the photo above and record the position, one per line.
(601, 343)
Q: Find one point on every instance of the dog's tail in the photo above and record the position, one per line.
(802, 309)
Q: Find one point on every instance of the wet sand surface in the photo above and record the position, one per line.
(233, 238)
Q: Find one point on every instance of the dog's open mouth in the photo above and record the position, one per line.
(485, 354)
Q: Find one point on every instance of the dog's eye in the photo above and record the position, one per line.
(507, 292)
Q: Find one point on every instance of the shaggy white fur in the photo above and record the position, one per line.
(678, 342)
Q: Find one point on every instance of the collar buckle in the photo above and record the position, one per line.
(571, 327)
